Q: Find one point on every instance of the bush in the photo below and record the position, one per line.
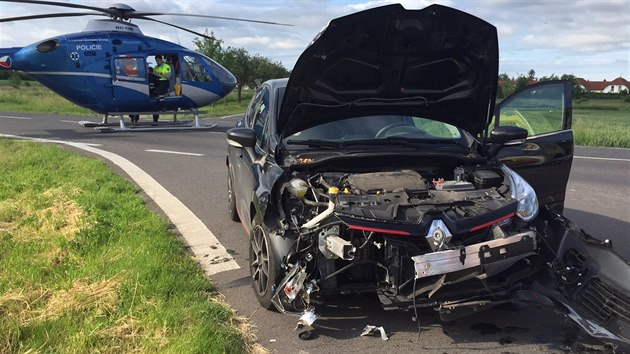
(15, 80)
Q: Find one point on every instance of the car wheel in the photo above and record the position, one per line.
(262, 266)
(231, 199)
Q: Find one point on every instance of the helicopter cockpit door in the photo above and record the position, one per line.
(129, 82)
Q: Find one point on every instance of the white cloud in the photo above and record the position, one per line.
(580, 42)
(278, 43)
(558, 35)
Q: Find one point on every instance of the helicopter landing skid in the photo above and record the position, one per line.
(175, 124)
(169, 123)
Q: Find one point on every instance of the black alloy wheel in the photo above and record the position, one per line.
(231, 199)
(262, 266)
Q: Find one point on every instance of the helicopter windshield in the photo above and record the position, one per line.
(194, 70)
(224, 76)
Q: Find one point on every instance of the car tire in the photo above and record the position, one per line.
(231, 199)
(262, 266)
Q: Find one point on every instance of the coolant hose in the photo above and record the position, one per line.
(316, 220)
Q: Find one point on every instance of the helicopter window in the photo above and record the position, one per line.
(221, 73)
(132, 69)
(194, 70)
(48, 45)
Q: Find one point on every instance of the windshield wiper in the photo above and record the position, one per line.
(315, 143)
(409, 142)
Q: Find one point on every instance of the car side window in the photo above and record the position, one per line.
(251, 108)
(260, 120)
(538, 109)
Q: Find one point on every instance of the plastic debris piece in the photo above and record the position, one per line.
(272, 341)
(369, 329)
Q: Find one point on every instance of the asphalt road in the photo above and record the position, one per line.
(191, 166)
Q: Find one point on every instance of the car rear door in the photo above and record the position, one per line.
(545, 159)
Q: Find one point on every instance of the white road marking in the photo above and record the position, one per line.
(232, 116)
(206, 248)
(174, 152)
(69, 121)
(14, 117)
(601, 158)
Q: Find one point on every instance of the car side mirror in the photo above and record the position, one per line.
(503, 135)
(241, 137)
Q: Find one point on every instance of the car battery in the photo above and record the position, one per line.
(486, 178)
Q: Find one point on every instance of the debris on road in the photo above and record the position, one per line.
(369, 329)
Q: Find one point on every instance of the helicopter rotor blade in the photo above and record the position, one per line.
(123, 12)
(62, 4)
(172, 25)
(143, 14)
(59, 14)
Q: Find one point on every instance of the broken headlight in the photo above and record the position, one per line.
(524, 193)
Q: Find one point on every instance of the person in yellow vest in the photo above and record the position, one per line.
(163, 71)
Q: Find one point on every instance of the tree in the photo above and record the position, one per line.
(15, 80)
(210, 46)
(531, 74)
(576, 89)
(549, 78)
(521, 83)
(239, 62)
(505, 87)
(265, 69)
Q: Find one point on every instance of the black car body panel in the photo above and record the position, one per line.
(437, 62)
(589, 280)
(412, 208)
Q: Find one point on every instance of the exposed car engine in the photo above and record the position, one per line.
(401, 234)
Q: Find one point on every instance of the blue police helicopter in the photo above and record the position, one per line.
(107, 67)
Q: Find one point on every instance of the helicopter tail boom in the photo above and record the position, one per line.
(6, 58)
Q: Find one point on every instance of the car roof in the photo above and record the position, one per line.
(277, 83)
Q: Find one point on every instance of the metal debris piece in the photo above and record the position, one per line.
(369, 329)
(305, 335)
(307, 319)
(306, 322)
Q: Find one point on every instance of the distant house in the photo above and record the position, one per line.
(616, 86)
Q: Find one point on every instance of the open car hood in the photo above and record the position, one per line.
(437, 63)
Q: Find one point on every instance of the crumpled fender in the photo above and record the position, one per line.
(588, 280)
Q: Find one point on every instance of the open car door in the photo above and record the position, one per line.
(544, 160)
(586, 278)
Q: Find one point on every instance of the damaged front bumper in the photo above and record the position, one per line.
(514, 247)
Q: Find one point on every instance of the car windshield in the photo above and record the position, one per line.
(375, 129)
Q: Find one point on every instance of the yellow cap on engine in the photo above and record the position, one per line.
(333, 190)
(346, 191)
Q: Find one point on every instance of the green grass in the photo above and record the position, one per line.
(593, 127)
(39, 99)
(596, 122)
(85, 266)
(602, 122)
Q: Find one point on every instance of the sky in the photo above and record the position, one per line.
(586, 38)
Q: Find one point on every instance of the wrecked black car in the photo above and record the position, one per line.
(382, 165)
